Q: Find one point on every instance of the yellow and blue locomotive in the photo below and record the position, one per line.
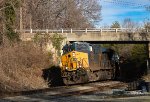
(84, 62)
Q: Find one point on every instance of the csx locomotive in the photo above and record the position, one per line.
(84, 62)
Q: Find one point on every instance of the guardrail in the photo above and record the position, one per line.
(81, 30)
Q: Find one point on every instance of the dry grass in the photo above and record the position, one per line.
(21, 67)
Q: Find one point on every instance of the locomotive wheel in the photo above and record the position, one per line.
(67, 81)
(75, 77)
(83, 75)
(67, 78)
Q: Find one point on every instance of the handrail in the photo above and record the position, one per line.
(81, 30)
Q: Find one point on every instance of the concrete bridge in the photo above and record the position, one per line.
(105, 35)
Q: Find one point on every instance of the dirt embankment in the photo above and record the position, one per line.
(21, 67)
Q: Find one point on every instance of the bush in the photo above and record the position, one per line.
(21, 66)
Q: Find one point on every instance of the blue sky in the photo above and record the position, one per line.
(118, 10)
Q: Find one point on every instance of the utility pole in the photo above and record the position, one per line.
(21, 15)
(30, 21)
(21, 21)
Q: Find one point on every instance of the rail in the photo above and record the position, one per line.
(82, 30)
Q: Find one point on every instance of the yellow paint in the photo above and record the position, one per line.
(70, 62)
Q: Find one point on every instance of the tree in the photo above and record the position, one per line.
(1, 20)
(147, 24)
(128, 23)
(8, 17)
(115, 25)
(55, 14)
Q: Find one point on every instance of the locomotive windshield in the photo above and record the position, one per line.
(76, 46)
(82, 47)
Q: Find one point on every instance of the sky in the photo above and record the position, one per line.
(118, 10)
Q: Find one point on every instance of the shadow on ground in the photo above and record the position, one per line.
(53, 76)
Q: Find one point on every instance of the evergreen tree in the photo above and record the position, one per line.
(115, 25)
(9, 18)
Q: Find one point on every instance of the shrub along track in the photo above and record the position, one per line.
(70, 90)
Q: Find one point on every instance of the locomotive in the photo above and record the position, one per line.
(83, 62)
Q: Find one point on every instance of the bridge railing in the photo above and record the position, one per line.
(81, 30)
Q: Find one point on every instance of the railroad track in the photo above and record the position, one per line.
(90, 92)
(70, 90)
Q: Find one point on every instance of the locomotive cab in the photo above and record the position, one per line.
(75, 56)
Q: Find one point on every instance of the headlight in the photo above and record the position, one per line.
(73, 54)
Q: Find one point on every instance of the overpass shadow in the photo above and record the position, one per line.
(129, 72)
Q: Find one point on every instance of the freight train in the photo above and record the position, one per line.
(84, 62)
